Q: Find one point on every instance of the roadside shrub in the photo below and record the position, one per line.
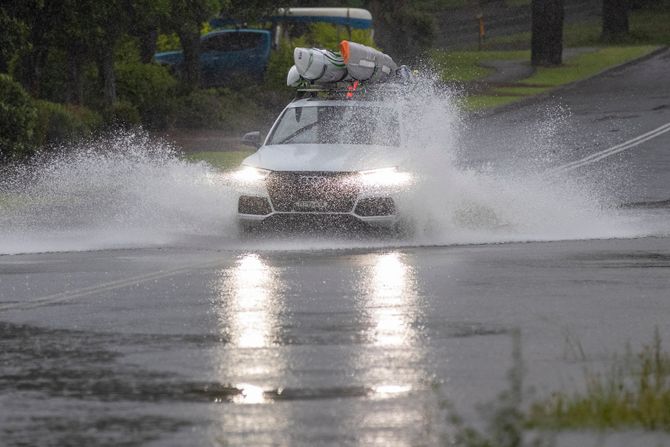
(200, 109)
(218, 109)
(57, 123)
(17, 119)
(325, 35)
(405, 33)
(281, 60)
(151, 89)
(122, 114)
(168, 42)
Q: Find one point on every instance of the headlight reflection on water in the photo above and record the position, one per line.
(253, 310)
(390, 305)
(391, 297)
(248, 308)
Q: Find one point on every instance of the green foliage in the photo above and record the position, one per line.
(648, 26)
(57, 123)
(12, 38)
(217, 109)
(17, 119)
(464, 66)
(635, 394)
(325, 35)
(404, 32)
(151, 89)
(281, 60)
(221, 159)
(250, 10)
(122, 114)
(168, 42)
(587, 64)
(505, 419)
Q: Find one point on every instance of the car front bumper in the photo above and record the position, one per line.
(292, 218)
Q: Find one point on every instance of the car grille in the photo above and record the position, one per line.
(317, 192)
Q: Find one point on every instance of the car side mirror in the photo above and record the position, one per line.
(252, 139)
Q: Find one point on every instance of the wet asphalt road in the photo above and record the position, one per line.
(200, 345)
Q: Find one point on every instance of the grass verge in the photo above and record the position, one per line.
(648, 30)
(634, 394)
(574, 69)
(463, 66)
(222, 160)
(647, 27)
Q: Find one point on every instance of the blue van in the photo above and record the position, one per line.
(226, 54)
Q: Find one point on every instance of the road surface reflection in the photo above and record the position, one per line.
(249, 303)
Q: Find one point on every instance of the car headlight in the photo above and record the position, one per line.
(250, 175)
(384, 177)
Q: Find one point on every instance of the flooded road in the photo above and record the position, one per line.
(355, 347)
(204, 342)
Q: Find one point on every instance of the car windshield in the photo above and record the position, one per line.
(337, 125)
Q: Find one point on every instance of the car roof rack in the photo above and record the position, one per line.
(350, 90)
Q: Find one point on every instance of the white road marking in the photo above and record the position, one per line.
(104, 287)
(611, 151)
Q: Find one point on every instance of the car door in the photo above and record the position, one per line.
(254, 53)
(219, 57)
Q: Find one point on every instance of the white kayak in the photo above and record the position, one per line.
(366, 64)
(354, 62)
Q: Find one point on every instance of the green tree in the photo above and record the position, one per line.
(146, 17)
(17, 119)
(40, 18)
(251, 10)
(12, 38)
(401, 28)
(186, 18)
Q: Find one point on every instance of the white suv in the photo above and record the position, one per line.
(332, 159)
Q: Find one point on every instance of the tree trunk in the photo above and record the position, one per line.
(108, 75)
(615, 19)
(75, 94)
(547, 32)
(31, 69)
(190, 70)
(148, 43)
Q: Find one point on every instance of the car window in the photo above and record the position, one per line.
(233, 41)
(297, 125)
(337, 125)
(250, 41)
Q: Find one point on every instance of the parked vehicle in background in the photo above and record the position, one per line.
(226, 54)
(244, 53)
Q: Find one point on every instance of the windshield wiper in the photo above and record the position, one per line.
(297, 132)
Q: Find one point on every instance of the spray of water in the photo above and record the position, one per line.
(133, 191)
(124, 191)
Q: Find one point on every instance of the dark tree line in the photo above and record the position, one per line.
(547, 28)
(88, 32)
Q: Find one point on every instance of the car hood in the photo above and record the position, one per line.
(324, 157)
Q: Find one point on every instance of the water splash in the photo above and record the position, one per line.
(125, 191)
(134, 191)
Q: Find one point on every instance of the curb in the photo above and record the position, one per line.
(544, 95)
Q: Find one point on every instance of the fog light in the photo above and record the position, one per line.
(259, 206)
(375, 206)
